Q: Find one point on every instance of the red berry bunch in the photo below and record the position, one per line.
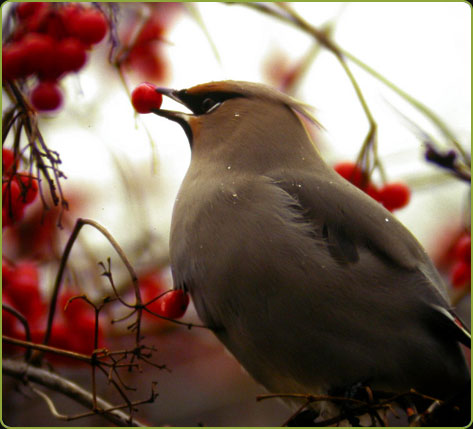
(393, 196)
(73, 328)
(49, 41)
(18, 190)
(144, 53)
(145, 98)
(460, 274)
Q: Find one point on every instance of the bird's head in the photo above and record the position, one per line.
(243, 116)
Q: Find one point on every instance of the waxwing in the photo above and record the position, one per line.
(311, 284)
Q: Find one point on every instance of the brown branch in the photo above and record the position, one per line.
(24, 372)
(310, 398)
(358, 407)
(47, 349)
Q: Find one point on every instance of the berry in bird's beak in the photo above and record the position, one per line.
(145, 98)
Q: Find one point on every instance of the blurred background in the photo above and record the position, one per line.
(124, 170)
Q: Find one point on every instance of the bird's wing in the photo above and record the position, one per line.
(353, 220)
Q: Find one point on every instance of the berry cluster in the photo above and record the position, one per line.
(73, 328)
(145, 98)
(18, 189)
(393, 196)
(460, 274)
(144, 54)
(171, 304)
(50, 40)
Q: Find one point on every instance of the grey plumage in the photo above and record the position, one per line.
(308, 282)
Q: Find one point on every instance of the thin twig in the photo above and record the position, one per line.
(46, 349)
(62, 266)
(412, 101)
(288, 16)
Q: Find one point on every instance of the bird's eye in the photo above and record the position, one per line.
(209, 104)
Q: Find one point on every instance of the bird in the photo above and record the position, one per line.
(313, 286)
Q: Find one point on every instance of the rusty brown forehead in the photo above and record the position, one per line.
(212, 87)
(241, 88)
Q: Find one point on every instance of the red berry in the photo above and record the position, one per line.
(54, 26)
(460, 274)
(46, 96)
(71, 55)
(29, 188)
(350, 171)
(13, 61)
(463, 248)
(39, 52)
(152, 30)
(394, 195)
(10, 193)
(145, 98)
(24, 291)
(8, 160)
(88, 25)
(47, 20)
(145, 60)
(27, 10)
(173, 305)
(69, 13)
(12, 206)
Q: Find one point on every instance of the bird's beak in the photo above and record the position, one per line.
(180, 117)
(171, 93)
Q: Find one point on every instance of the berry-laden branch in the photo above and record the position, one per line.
(22, 117)
(42, 43)
(168, 305)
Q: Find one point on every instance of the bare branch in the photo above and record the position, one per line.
(24, 372)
